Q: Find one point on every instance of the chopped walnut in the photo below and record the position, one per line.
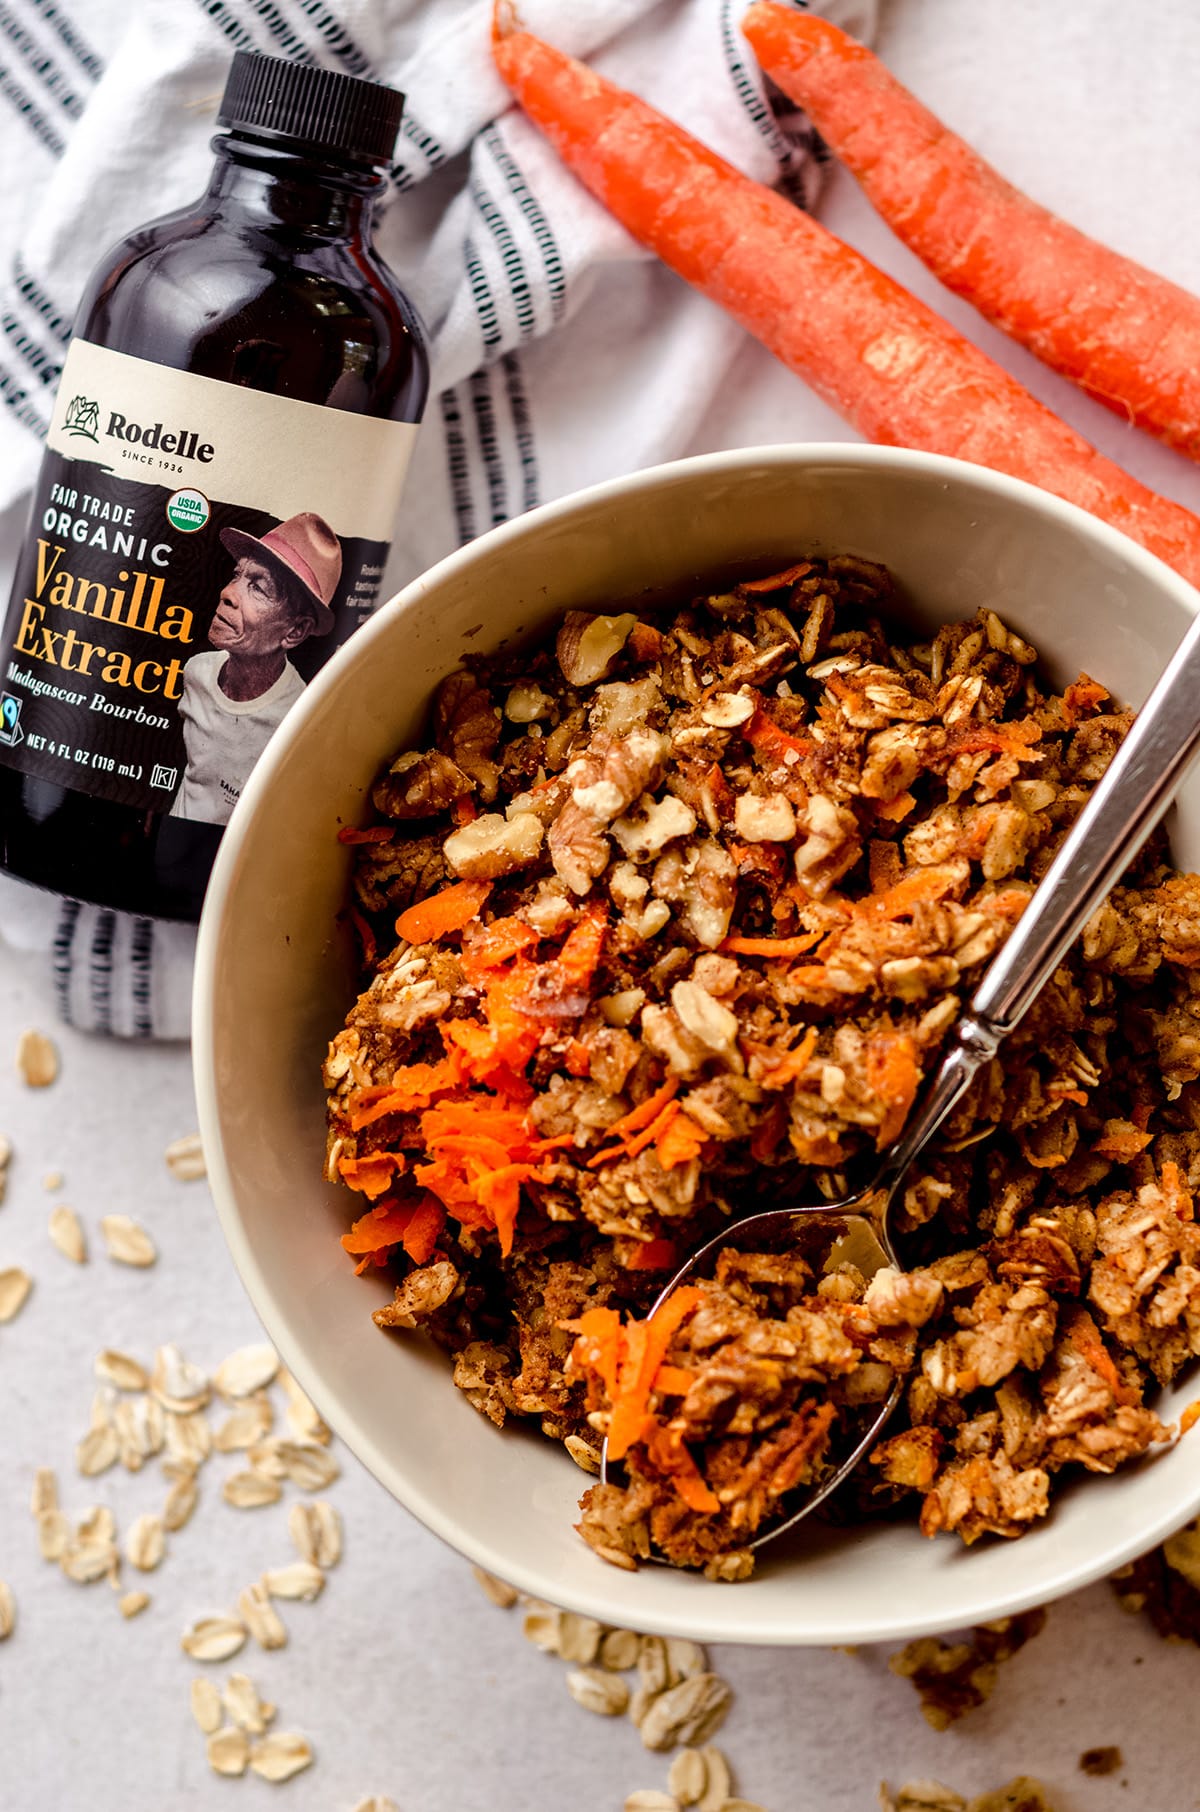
(491, 845)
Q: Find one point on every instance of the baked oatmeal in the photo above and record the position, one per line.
(686, 903)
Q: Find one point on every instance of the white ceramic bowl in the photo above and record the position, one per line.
(274, 979)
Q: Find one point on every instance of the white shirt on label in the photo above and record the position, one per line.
(224, 737)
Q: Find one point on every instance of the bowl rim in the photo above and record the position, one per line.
(733, 1627)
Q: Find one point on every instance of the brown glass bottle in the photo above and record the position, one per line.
(268, 283)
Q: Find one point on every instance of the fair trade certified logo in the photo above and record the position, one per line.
(82, 418)
(11, 732)
(188, 511)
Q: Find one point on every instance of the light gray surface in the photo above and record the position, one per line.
(408, 1682)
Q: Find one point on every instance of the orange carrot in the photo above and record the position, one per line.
(771, 946)
(384, 1226)
(371, 833)
(646, 1344)
(680, 1141)
(888, 363)
(653, 1255)
(1126, 336)
(443, 912)
(372, 1176)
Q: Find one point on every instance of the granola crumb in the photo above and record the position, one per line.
(952, 1678)
(1105, 1760)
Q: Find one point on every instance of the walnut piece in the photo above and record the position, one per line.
(764, 818)
(493, 845)
(420, 784)
(588, 645)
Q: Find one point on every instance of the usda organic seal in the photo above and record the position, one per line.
(187, 510)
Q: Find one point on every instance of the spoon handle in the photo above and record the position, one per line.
(1138, 786)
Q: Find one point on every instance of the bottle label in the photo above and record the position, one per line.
(195, 552)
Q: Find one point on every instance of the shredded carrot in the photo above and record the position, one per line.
(1082, 697)
(767, 739)
(653, 1255)
(578, 1058)
(371, 1175)
(410, 1088)
(370, 833)
(385, 1225)
(646, 1344)
(491, 946)
(680, 1141)
(443, 912)
(893, 1073)
(368, 944)
(674, 1380)
(771, 946)
(793, 1064)
(645, 1112)
(464, 810)
(898, 372)
(783, 581)
(668, 1452)
(894, 810)
(1190, 1417)
(425, 1223)
(598, 1344)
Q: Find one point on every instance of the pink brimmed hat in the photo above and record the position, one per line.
(307, 548)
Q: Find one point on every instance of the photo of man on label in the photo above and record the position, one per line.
(278, 595)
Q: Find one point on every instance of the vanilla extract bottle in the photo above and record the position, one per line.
(225, 457)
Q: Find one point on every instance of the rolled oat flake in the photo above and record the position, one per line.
(226, 452)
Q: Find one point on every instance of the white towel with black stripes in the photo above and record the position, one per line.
(562, 354)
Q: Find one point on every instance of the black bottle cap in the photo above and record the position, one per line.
(315, 107)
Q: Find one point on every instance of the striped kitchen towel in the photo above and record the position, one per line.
(562, 354)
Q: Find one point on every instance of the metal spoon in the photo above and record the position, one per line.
(1133, 795)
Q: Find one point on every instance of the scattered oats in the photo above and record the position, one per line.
(66, 1233)
(250, 1490)
(213, 1638)
(649, 1799)
(307, 1464)
(127, 1243)
(923, 1796)
(37, 1059)
(53, 1534)
(302, 1417)
(265, 1458)
(228, 1751)
(120, 1370)
(541, 1628)
(742, 1805)
(140, 1425)
(718, 1782)
(248, 1711)
(316, 1531)
(206, 1704)
(378, 1802)
(246, 1425)
(181, 1501)
(97, 1451)
(103, 1403)
(132, 1604)
(578, 1637)
(87, 1561)
(251, 1368)
(278, 1756)
(497, 1590)
(185, 1158)
(639, 1704)
(687, 1713)
(585, 1457)
(45, 1491)
(261, 1618)
(15, 1286)
(684, 1659)
(597, 1691)
(53, 1180)
(188, 1439)
(99, 1524)
(8, 1611)
(653, 1671)
(180, 1386)
(687, 1777)
(299, 1580)
(145, 1543)
(619, 1650)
